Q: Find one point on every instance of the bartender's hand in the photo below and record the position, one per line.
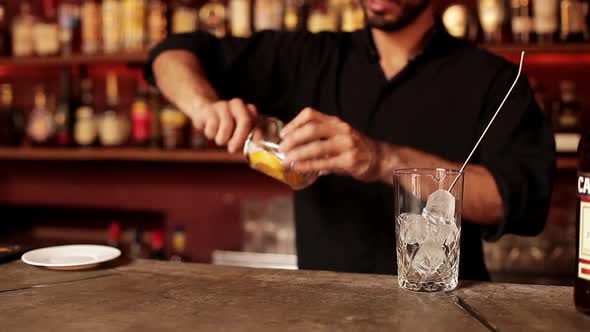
(225, 122)
(316, 142)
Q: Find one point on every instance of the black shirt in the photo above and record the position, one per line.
(439, 103)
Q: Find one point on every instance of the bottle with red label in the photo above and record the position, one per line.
(141, 118)
(114, 239)
(582, 280)
(157, 245)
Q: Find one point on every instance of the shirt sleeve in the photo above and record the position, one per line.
(262, 70)
(519, 151)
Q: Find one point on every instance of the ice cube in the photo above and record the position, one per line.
(441, 203)
(429, 258)
(444, 233)
(414, 228)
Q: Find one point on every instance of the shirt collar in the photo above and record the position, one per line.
(436, 40)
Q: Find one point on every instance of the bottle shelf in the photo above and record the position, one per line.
(120, 154)
(563, 48)
(565, 52)
(78, 59)
(576, 54)
(153, 155)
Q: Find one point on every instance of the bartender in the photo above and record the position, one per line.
(400, 93)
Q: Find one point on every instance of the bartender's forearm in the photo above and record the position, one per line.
(181, 78)
(482, 202)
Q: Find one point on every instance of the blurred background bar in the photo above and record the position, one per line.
(89, 153)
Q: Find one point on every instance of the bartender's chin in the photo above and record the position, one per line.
(397, 15)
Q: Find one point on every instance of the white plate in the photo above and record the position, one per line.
(71, 257)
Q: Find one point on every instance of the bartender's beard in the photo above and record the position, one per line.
(397, 15)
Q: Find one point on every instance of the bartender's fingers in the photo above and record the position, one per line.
(333, 164)
(316, 150)
(243, 124)
(226, 124)
(309, 132)
(253, 111)
(211, 124)
(198, 122)
(307, 115)
(201, 115)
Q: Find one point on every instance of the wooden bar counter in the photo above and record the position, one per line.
(155, 296)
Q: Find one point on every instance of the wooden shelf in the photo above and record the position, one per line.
(153, 155)
(78, 59)
(569, 48)
(573, 54)
(119, 154)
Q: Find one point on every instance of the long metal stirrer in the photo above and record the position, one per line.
(489, 124)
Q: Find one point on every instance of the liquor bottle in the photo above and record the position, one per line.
(41, 127)
(11, 119)
(460, 22)
(566, 119)
(184, 17)
(111, 26)
(85, 128)
(174, 126)
(545, 20)
(69, 27)
(141, 118)
(294, 17)
(4, 29)
(322, 17)
(114, 235)
(521, 21)
(353, 17)
(240, 17)
(133, 14)
(113, 128)
(154, 106)
(573, 21)
(46, 31)
(157, 245)
(156, 21)
(137, 248)
(491, 16)
(582, 279)
(212, 18)
(64, 117)
(179, 245)
(91, 26)
(268, 15)
(22, 31)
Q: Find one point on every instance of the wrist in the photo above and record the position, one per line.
(192, 105)
(202, 101)
(388, 161)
